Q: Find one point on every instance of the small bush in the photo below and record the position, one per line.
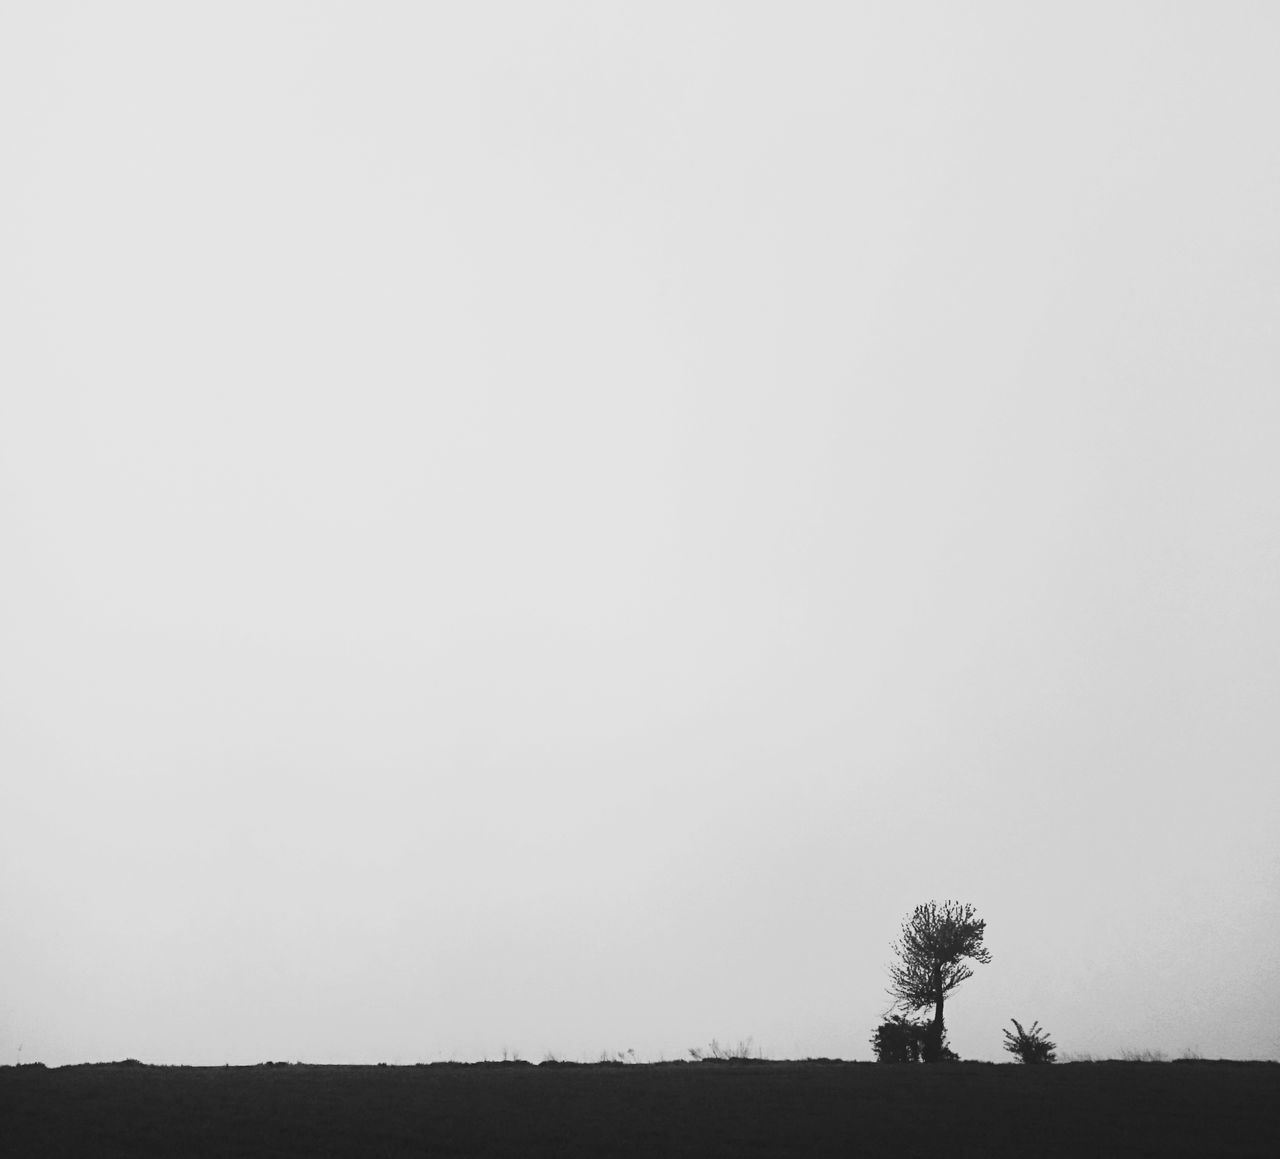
(1030, 1046)
(900, 1039)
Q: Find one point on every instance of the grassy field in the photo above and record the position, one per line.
(694, 1109)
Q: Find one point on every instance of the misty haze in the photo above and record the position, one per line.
(546, 530)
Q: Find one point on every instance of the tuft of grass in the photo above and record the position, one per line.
(1126, 1056)
(1143, 1056)
(626, 1057)
(745, 1051)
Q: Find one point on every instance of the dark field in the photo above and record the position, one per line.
(696, 1109)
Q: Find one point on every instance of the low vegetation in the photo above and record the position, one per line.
(745, 1051)
(620, 1105)
(818, 1108)
(901, 1039)
(1029, 1046)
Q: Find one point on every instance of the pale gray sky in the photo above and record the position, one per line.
(552, 526)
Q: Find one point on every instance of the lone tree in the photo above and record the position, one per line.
(931, 951)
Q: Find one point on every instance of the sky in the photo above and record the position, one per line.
(550, 528)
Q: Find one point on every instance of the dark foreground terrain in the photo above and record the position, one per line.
(695, 1109)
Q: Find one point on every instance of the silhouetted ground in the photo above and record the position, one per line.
(694, 1109)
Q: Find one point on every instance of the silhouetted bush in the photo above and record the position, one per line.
(1030, 1046)
(899, 1039)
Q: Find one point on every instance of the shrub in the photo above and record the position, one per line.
(1031, 1046)
(900, 1040)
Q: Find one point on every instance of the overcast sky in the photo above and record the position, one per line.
(550, 527)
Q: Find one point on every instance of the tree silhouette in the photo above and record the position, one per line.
(931, 951)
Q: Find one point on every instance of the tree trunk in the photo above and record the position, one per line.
(933, 1048)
